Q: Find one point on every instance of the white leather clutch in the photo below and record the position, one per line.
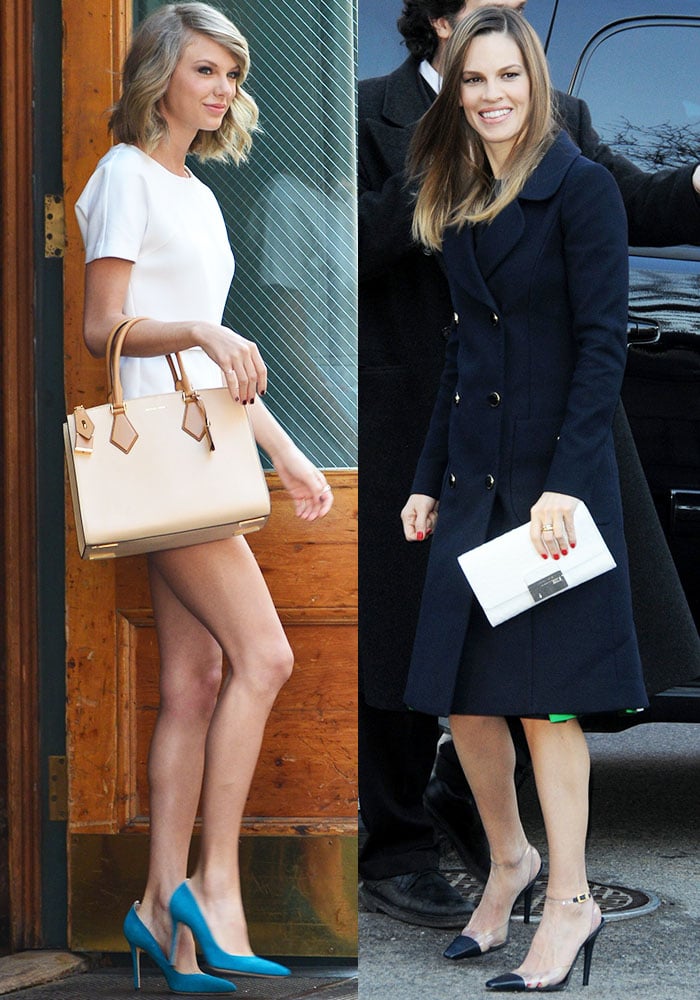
(508, 576)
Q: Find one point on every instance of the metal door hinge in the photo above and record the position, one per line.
(58, 788)
(54, 226)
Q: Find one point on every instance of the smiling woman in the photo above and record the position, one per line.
(157, 248)
(200, 90)
(495, 95)
(521, 432)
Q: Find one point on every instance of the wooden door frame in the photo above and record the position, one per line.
(20, 610)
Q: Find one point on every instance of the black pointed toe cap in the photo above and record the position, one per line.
(462, 947)
(508, 983)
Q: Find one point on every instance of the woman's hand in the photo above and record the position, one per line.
(552, 525)
(419, 517)
(306, 486)
(239, 359)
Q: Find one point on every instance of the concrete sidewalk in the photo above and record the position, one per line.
(645, 834)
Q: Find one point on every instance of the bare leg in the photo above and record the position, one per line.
(561, 764)
(487, 755)
(207, 598)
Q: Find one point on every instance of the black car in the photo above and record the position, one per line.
(635, 63)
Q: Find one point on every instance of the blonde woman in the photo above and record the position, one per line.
(156, 247)
(533, 238)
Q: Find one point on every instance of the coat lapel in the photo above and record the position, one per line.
(462, 267)
(472, 267)
(499, 238)
(406, 97)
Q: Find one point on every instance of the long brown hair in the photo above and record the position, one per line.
(447, 155)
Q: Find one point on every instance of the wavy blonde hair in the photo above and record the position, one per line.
(155, 51)
(447, 156)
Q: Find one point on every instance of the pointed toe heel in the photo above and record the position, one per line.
(140, 939)
(464, 946)
(511, 982)
(184, 909)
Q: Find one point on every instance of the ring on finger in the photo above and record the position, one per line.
(547, 527)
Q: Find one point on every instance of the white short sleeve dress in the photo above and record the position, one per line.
(172, 229)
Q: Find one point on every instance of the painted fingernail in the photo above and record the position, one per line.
(419, 536)
(565, 552)
(544, 555)
(555, 555)
(572, 544)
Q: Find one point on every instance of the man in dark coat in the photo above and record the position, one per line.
(405, 315)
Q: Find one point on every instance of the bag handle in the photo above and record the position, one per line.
(124, 435)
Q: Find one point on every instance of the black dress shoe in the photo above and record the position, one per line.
(425, 898)
(456, 816)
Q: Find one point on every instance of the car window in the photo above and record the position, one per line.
(641, 82)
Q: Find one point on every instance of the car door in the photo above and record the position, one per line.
(639, 79)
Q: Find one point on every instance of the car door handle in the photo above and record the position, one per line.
(685, 513)
(642, 331)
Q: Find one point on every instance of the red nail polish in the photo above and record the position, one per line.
(419, 536)
(572, 544)
(555, 555)
(544, 555)
(564, 552)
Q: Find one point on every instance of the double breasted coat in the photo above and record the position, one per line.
(526, 404)
(404, 315)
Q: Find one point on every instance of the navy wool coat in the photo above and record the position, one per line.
(526, 402)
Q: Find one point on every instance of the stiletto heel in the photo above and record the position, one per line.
(511, 982)
(140, 939)
(527, 897)
(136, 962)
(464, 946)
(184, 909)
(588, 946)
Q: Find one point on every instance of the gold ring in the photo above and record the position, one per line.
(547, 527)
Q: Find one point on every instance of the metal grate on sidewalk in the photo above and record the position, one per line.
(616, 902)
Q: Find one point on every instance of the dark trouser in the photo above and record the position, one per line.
(396, 757)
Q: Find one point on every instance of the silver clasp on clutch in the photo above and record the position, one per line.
(547, 586)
